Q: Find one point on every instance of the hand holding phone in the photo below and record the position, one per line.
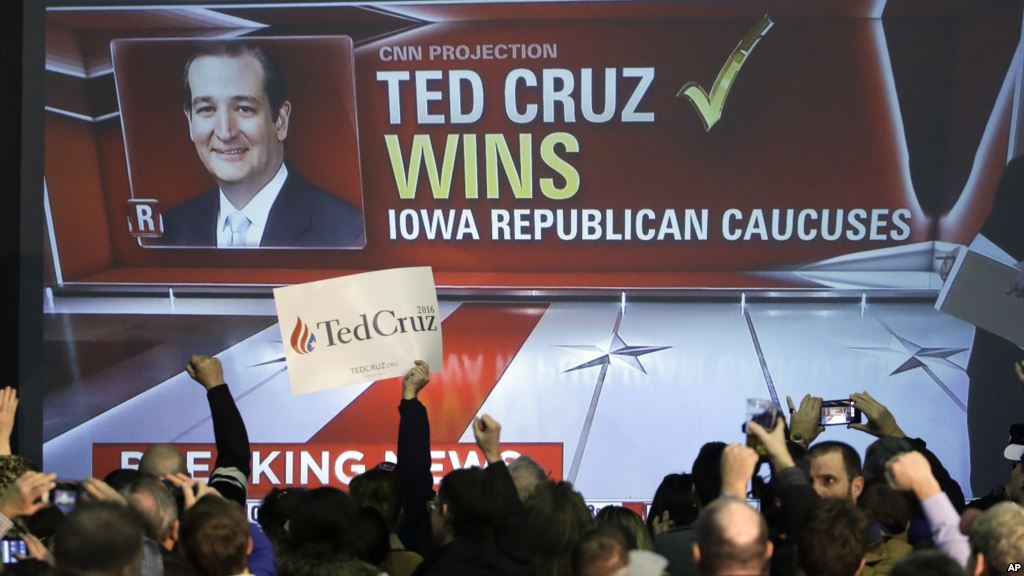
(840, 412)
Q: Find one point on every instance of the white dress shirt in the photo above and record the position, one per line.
(257, 211)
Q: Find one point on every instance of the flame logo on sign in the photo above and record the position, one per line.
(303, 340)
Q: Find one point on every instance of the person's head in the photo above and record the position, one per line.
(556, 518)
(320, 526)
(601, 552)
(153, 502)
(732, 538)
(836, 470)
(237, 113)
(381, 490)
(468, 505)
(997, 539)
(927, 563)
(121, 478)
(370, 537)
(887, 507)
(162, 459)
(675, 495)
(215, 534)
(12, 467)
(833, 539)
(276, 510)
(526, 475)
(707, 472)
(878, 454)
(630, 523)
(99, 539)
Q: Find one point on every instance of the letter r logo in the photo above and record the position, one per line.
(144, 218)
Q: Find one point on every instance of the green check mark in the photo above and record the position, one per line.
(709, 108)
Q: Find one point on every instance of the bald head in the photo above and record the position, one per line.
(161, 459)
(731, 538)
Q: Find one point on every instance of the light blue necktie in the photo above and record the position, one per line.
(239, 224)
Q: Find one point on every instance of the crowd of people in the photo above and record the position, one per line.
(822, 511)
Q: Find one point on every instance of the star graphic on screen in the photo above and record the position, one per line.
(617, 352)
(913, 356)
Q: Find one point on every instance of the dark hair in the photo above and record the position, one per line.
(556, 518)
(99, 538)
(121, 478)
(292, 565)
(707, 472)
(676, 496)
(880, 452)
(631, 524)
(273, 78)
(927, 563)
(603, 547)
(381, 490)
(717, 552)
(833, 539)
(886, 506)
(320, 526)
(851, 459)
(370, 537)
(474, 502)
(215, 534)
(277, 508)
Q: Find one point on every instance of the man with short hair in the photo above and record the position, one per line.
(997, 540)
(160, 460)
(732, 539)
(833, 540)
(836, 470)
(238, 117)
(527, 475)
(155, 505)
(99, 539)
(215, 534)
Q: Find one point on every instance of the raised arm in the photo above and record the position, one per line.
(414, 461)
(234, 458)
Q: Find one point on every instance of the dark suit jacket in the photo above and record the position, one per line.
(303, 216)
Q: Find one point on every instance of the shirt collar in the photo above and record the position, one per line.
(257, 210)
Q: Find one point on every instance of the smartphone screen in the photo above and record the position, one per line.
(65, 496)
(839, 412)
(10, 548)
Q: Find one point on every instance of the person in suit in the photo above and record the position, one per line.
(238, 114)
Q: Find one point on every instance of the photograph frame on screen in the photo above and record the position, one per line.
(287, 128)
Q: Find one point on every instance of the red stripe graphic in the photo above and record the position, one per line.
(296, 334)
(480, 341)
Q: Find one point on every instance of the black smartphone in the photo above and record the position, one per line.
(10, 548)
(65, 495)
(839, 412)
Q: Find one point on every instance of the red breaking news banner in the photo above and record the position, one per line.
(313, 465)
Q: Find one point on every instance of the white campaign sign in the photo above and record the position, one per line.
(358, 328)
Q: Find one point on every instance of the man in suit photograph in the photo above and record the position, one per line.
(238, 113)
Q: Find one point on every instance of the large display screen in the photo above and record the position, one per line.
(761, 149)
